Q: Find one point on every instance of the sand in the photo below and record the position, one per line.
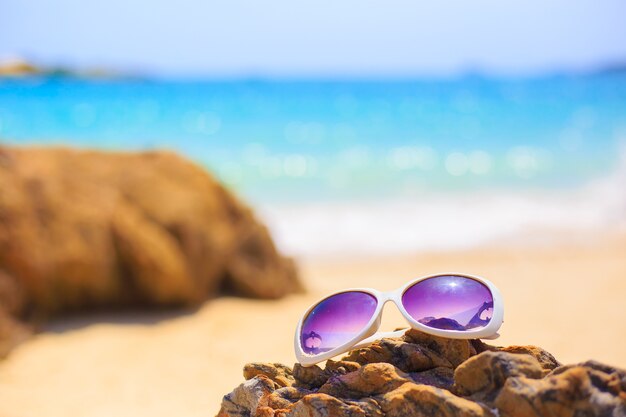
(569, 299)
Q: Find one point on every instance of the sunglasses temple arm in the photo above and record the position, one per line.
(378, 335)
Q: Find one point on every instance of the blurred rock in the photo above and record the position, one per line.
(489, 381)
(89, 229)
(12, 332)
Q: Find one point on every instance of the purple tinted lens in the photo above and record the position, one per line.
(449, 302)
(336, 320)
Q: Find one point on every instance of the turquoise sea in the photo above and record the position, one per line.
(320, 143)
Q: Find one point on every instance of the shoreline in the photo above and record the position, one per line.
(459, 221)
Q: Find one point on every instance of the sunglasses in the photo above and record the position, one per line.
(452, 305)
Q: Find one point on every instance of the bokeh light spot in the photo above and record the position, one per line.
(457, 164)
(295, 165)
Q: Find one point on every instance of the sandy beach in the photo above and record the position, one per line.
(566, 298)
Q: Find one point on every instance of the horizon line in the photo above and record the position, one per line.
(37, 68)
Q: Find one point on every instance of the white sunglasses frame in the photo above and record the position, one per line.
(370, 333)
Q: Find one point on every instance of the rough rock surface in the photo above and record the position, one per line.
(90, 229)
(422, 375)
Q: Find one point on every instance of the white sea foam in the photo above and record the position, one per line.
(451, 221)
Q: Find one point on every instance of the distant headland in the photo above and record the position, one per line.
(20, 67)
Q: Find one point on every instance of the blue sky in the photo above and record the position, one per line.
(317, 38)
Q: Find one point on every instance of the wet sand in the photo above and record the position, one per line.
(569, 299)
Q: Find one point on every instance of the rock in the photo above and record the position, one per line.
(545, 358)
(311, 376)
(436, 377)
(583, 390)
(12, 332)
(277, 372)
(314, 376)
(369, 380)
(425, 401)
(282, 398)
(248, 397)
(91, 229)
(455, 351)
(415, 352)
(323, 405)
(484, 374)
(477, 380)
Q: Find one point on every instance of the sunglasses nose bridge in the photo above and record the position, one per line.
(384, 298)
(391, 297)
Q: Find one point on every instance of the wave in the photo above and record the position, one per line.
(450, 221)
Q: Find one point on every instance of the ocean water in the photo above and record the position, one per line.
(378, 166)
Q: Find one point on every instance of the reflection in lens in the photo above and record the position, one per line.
(449, 302)
(336, 320)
